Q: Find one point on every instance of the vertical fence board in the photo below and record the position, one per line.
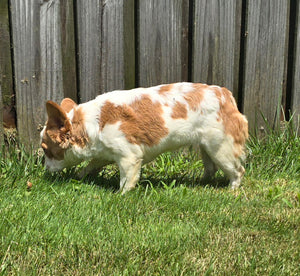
(50, 51)
(25, 27)
(103, 53)
(6, 79)
(216, 46)
(68, 53)
(163, 43)
(37, 38)
(296, 75)
(265, 64)
(89, 25)
(57, 47)
(117, 66)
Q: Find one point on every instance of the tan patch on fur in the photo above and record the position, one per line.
(78, 134)
(179, 111)
(165, 88)
(234, 122)
(141, 121)
(195, 97)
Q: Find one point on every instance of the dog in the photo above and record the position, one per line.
(132, 127)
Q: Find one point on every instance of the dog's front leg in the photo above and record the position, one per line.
(130, 169)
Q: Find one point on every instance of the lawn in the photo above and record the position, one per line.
(172, 224)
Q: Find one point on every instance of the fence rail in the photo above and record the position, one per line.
(51, 49)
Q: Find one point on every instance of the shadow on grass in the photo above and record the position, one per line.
(218, 182)
(70, 176)
(109, 179)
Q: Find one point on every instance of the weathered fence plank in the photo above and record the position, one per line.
(68, 52)
(296, 75)
(57, 49)
(117, 66)
(162, 41)
(89, 25)
(105, 48)
(37, 46)
(216, 45)
(265, 60)
(50, 51)
(26, 27)
(6, 80)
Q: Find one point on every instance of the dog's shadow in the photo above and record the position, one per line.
(218, 182)
(109, 179)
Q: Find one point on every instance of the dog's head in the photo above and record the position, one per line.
(56, 136)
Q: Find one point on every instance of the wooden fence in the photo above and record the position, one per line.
(51, 49)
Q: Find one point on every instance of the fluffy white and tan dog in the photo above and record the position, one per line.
(133, 127)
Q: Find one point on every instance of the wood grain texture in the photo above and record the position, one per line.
(162, 41)
(37, 47)
(6, 79)
(57, 49)
(265, 60)
(51, 81)
(26, 48)
(216, 45)
(117, 66)
(89, 40)
(296, 75)
(106, 49)
(68, 53)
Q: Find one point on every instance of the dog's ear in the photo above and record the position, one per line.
(67, 104)
(58, 126)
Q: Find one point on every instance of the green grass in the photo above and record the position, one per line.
(172, 224)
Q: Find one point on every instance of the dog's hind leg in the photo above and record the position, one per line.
(227, 160)
(209, 166)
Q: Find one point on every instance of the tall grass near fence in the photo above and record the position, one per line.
(172, 224)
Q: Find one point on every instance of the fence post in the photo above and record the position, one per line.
(216, 45)
(163, 41)
(265, 61)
